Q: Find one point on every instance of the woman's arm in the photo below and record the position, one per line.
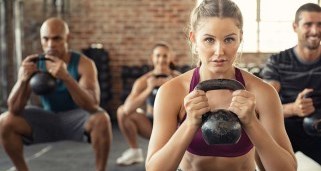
(138, 95)
(267, 133)
(168, 143)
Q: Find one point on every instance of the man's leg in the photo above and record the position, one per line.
(12, 127)
(99, 128)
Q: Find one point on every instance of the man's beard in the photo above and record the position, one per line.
(313, 46)
(52, 53)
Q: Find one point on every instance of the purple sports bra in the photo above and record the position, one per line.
(199, 147)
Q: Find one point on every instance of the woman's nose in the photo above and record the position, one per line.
(218, 49)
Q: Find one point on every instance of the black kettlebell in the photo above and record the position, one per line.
(152, 96)
(42, 82)
(312, 123)
(220, 126)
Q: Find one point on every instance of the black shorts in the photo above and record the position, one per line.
(50, 127)
(150, 117)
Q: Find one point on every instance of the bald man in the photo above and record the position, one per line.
(71, 112)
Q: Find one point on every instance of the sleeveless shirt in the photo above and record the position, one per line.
(60, 99)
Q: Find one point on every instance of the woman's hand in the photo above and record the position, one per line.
(195, 104)
(151, 82)
(243, 105)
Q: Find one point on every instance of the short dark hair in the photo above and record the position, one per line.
(308, 7)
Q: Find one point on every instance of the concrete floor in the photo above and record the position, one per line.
(75, 156)
(72, 156)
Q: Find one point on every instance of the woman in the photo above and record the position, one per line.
(216, 34)
(133, 122)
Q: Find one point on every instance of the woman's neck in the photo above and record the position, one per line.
(162, 70)
(206, 74)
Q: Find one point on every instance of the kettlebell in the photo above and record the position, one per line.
(152, 96)
(220, 126)
(312, 123)
(42, 82)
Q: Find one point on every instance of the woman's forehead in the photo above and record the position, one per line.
(215, 25)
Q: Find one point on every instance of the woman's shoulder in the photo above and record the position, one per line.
(142, 80)
(145, 76)
(255, 84)
(179, 83)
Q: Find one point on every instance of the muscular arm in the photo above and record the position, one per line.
(273, 148)
(138, 95)
(21, 91)
(86, 91)
(19, 96)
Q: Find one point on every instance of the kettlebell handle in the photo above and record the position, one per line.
(160, 76)
(313, 94)
(218, 84)
(41, 58)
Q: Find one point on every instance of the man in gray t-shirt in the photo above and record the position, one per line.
(296, 72)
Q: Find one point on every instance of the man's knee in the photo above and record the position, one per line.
(10, 123)
(6, 123)
(100, 120)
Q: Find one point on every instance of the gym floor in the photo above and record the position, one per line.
(75, 156)
(72, 156)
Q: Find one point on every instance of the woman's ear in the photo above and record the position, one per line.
(192, 36)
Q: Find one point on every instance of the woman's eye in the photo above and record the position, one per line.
(229, 40)
(209, 40)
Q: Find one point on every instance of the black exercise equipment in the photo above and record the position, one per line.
(312, 123)
(100, 56)
(145, 68)
(220, 126)
(125, 72)
(161, 76)
(184, 68)
(42, 82)
(136, 71)
(152, 96)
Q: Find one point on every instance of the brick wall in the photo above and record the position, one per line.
(126, 28)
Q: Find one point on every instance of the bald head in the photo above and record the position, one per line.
(55, 23)
(54, 34)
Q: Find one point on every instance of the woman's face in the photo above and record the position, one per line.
(161, 57)
(217, 40)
